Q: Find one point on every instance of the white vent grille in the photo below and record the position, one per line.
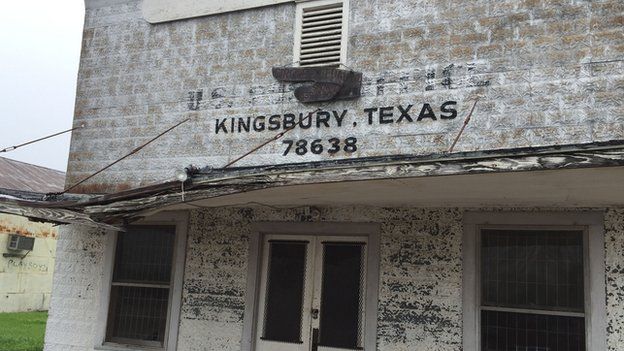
(321, 35)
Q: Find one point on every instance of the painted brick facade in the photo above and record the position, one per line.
(76, 289)
(420, 303)
(420, 282)
(614, 246)
(547, 72)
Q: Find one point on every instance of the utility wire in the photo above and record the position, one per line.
(126, 156)
(11, 148)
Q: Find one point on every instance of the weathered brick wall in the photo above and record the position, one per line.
(547, 72)
(420, 281)
(76, 289)
(614, 266)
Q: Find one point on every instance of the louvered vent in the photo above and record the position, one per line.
(321, 35)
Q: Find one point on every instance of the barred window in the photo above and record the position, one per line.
(141, 285)
(532, 290)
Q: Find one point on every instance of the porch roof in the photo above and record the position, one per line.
(589, 174)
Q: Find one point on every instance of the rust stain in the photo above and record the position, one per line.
(34, 231)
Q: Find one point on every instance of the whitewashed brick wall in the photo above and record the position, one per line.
(76, 289)
(548, 72)
(614, 266)
(420, 281)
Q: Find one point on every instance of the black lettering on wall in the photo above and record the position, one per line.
(447, 72)
(220, 126)
(405, 113)
(258, 124)
(340, 118)
(194, 99)
(385, 115)
(426, 112)
(274, 122)
(218, 93)
(448, 110)
(242, 125)
(289, 120)
(380, 86)
(322, 120)
(431, 74)
(334, 118)
(370, 113)
(305, 121)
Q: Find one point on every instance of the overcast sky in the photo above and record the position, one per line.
(39, 55)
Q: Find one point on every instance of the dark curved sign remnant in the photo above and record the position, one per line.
(328, 83)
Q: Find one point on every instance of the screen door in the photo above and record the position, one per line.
(311, 293)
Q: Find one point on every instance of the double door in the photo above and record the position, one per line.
(311, 293)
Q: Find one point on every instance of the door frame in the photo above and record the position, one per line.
(254, 265)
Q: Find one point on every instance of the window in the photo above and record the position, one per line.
(140, 305)
(141, 285)
(285, 288)
(532, 288)
(320, 35)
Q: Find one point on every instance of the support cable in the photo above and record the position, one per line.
(461, 131)
(274, 138)
(11, 148)
(126, 156)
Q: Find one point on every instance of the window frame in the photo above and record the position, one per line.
(254, 266)
(591, 223)
(304, 4)
(179, 219)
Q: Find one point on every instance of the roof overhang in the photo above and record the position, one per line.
(586, 175)
(586, 187)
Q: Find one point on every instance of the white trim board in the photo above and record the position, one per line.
(595, 297)
(96, 4)
(157, 11)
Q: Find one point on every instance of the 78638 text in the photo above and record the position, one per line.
(318, 146)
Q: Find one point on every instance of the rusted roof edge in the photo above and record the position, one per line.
(432, 157)
(208, 175)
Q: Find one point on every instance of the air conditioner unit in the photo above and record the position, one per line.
(20, 242)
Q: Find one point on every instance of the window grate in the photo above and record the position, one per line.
(140, 313)
(532, 269)
(531, 332)
(342, 295)
(283, 309)
(532, 290)
(141, 285)
(321, 35)
(145, 255)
